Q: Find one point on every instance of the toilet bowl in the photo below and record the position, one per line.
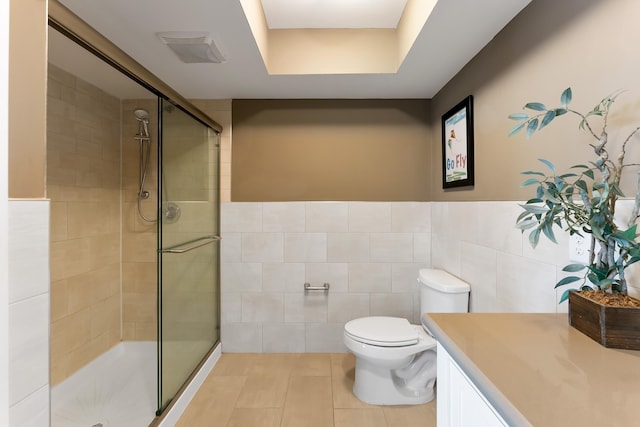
(395, 360)
(389, 354)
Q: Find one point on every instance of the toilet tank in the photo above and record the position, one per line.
(441, 292)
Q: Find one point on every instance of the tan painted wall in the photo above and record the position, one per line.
(336, 50)
(369, 150)
(585, 44)
(27, 98)
(549, 46)
(333, 51)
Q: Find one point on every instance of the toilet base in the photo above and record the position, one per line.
(379, 386)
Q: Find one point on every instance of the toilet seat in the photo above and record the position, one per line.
(382, 331)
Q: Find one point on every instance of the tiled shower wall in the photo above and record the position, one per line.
(98, 240)
(103, 256)
(370, 254)
(83, 183)
(139, 267)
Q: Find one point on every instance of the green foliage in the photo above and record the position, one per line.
(581, 201)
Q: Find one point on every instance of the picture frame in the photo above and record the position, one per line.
(457, 145)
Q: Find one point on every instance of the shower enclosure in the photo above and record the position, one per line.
(133, 179)
(188, 238)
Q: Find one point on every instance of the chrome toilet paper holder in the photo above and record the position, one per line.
(308, 287)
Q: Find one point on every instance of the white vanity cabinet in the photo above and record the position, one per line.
(529, 369)
(459, 402)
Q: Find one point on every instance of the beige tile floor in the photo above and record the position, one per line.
(292, 390)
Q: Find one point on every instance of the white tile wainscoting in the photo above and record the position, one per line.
(370, 253)
(28, 244)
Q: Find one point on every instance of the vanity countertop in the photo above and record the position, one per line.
(537, 370)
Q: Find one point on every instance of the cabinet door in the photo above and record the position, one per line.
(459, 402)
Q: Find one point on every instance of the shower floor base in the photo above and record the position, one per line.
(118, 389)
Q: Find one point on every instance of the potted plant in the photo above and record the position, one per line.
(582, 201)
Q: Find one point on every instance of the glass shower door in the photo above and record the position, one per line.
(188, 233)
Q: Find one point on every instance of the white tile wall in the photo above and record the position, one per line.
(231, 303)
(422, 247)
(370, 254)
(33, 411)
(327, 217)
(282, 277)
(494, 226)
(446, 252)
(262, 247)
(263, 307)
(288, 216)
(478, 242)
(283, 337)
(480, 264)
(305, 247)
(369, 217)
(28, 244)
(242, 337)
(306, 308)
(241, 277)
(241, 217)
(397, 305)
(411, 217)
(324, 337)
(28, 347)
(404, 277)
(525, 285)
(345, 307)
(348, 247)
(231, 247)
(26, 234)
(370, 277)
(391, 247)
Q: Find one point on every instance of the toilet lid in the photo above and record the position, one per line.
(382, 331)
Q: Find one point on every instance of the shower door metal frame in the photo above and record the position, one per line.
(181, 248)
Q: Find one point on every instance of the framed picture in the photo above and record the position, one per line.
(457, 145)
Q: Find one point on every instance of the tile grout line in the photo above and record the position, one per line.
(284, 401)
(235, 402)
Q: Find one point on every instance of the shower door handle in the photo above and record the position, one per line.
(193, 244)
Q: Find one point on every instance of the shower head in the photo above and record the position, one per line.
(143, 117)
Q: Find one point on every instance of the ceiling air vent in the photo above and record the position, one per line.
(193, 47)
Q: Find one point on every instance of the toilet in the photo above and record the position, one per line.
(395, 360)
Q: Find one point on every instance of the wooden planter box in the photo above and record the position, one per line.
(613, 327)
